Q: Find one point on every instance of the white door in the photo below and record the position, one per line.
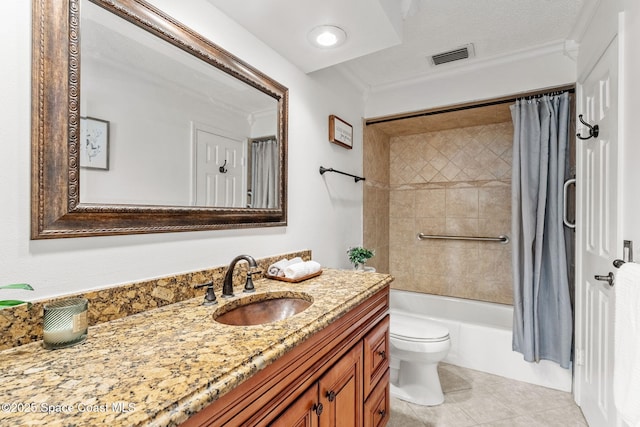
(220, 169)
(597, 241)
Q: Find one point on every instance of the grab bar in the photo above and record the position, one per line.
(565, 209)
(501, 239)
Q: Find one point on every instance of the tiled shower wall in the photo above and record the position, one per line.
(453, 182)
(376, 197)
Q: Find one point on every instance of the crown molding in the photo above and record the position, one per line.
(559, 46)
(587, 12)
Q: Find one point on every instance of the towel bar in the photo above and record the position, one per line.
(356, 178)
(501, 239)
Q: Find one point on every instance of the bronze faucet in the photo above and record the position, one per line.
(227, 286)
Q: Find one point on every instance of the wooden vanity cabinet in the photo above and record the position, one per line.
(302, 413)
(376, 375)
(337, 397)
(360, 375)
(341, 391)
(337, 377)
(376, 355)
(377, 410)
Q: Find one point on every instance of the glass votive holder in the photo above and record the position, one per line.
(65, 323)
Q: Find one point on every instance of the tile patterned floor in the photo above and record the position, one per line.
(474, 398)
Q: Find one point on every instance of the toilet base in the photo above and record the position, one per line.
(418, 383)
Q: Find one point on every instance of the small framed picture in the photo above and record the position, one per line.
(340, 132)
(94, 143)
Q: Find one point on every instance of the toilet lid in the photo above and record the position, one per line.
(411, 328)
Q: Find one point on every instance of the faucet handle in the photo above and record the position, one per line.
(210, 296)
(248, 285)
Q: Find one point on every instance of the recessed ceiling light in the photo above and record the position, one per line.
(326, 36)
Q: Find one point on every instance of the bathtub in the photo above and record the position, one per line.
(480, 337)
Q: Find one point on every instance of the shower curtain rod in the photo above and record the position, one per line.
(497, 101)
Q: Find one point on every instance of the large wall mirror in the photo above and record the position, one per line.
(140, 125)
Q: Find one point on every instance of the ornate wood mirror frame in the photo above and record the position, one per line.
(57, 210)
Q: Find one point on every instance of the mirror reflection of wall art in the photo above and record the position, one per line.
(94, 143)
(340, 132)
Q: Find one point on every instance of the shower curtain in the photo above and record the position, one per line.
(264, 173)
(543, 319)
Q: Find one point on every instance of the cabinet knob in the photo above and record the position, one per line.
(382, 413)
(331, 396)
(317, 408)
(382, 354)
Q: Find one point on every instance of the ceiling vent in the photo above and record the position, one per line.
(463, 52)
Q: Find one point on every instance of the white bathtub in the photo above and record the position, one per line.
(481, 337)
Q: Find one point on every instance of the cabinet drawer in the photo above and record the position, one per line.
(376, 355)
(377, 407)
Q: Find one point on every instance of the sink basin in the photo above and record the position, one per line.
(262, 308)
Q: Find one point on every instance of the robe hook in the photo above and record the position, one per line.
(222, 168)
(593, 130)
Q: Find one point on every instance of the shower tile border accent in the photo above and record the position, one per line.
(449, 185)
(23, 324)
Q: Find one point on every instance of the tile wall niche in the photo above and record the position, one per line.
(453, 182)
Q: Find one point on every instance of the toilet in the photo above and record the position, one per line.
(417, 346)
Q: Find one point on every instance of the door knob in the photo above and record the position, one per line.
(608, 278)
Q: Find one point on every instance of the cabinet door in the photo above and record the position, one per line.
(303, 412)
(341, 391)
(376, 355)
(376, 408)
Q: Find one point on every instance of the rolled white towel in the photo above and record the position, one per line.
(277, 268)
(301, 269)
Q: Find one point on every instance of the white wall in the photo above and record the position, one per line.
(264, 124)
(150, 141)
(325, 213)
(541, 68)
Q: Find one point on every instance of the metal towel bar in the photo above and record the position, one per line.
(501, 239)
(356, 178)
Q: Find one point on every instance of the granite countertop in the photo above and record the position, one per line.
(157, 367)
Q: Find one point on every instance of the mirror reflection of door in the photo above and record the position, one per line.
(219, 168)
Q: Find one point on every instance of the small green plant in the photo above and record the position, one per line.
(12, 302)
(359, 255)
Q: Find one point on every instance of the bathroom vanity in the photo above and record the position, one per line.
(338, 376)
(175, 364)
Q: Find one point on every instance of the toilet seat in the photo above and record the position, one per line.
(404, 328)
